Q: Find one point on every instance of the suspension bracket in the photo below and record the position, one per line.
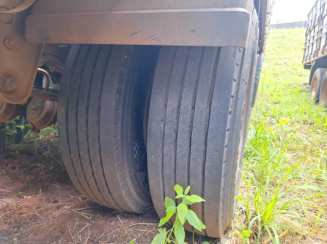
(18, 60)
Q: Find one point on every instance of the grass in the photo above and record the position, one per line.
(283, 193)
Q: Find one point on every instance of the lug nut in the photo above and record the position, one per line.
(7, 84)
(8, 43)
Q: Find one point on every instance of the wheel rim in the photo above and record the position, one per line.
(314, 86)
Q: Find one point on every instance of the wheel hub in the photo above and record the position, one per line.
(41, 114)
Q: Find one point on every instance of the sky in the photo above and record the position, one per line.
(286, 11)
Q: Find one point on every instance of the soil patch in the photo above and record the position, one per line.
(39, 204)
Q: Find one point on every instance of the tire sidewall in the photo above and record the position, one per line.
(316, 83)
(322, 91)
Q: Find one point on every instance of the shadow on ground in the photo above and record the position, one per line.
(39, 204)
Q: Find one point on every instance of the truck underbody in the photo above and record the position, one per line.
(117, 61)
(167, 23)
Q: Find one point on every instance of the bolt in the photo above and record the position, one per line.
(5, 18)
(8, 84)
(35, 109)
(8, 43)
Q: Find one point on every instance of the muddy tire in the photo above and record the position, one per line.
(199, 109)
(316, 84)
(101, 123)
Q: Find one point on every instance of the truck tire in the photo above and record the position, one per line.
(252, 89)
(256, 88)
(312, 71)
(316, 84)
(199, 108)
(323, 91)
(101, 123)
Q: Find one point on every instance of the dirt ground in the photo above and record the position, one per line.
(39, 204)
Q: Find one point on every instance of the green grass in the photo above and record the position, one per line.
(283, 193)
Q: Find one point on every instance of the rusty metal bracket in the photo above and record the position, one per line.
(47, 78)
(18, 60)
(10, 111)
(44, 95)
(24, 6)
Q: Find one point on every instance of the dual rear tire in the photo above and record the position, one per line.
(177, 115)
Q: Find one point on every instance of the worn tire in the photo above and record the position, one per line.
(199, 109)
(316, 84)
(101, 123)
(256, 89)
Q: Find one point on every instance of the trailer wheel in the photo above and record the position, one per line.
(101, 123)
(323, 91)
(316, 84)
(197, 121)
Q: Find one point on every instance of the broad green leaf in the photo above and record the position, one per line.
(179, 196)
(205, 242)
(194, 221)
(189, 200)
(187, 190)
(195, 199)
(182, 211)
(160, 238)
(203, 227)
(131, 242)
(179, 232)
(171, 208)
(178, 189)
(169, 203)
(167, 218)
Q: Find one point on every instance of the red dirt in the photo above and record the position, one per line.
(39, 204)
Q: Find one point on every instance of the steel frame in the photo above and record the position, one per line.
(140, 22)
